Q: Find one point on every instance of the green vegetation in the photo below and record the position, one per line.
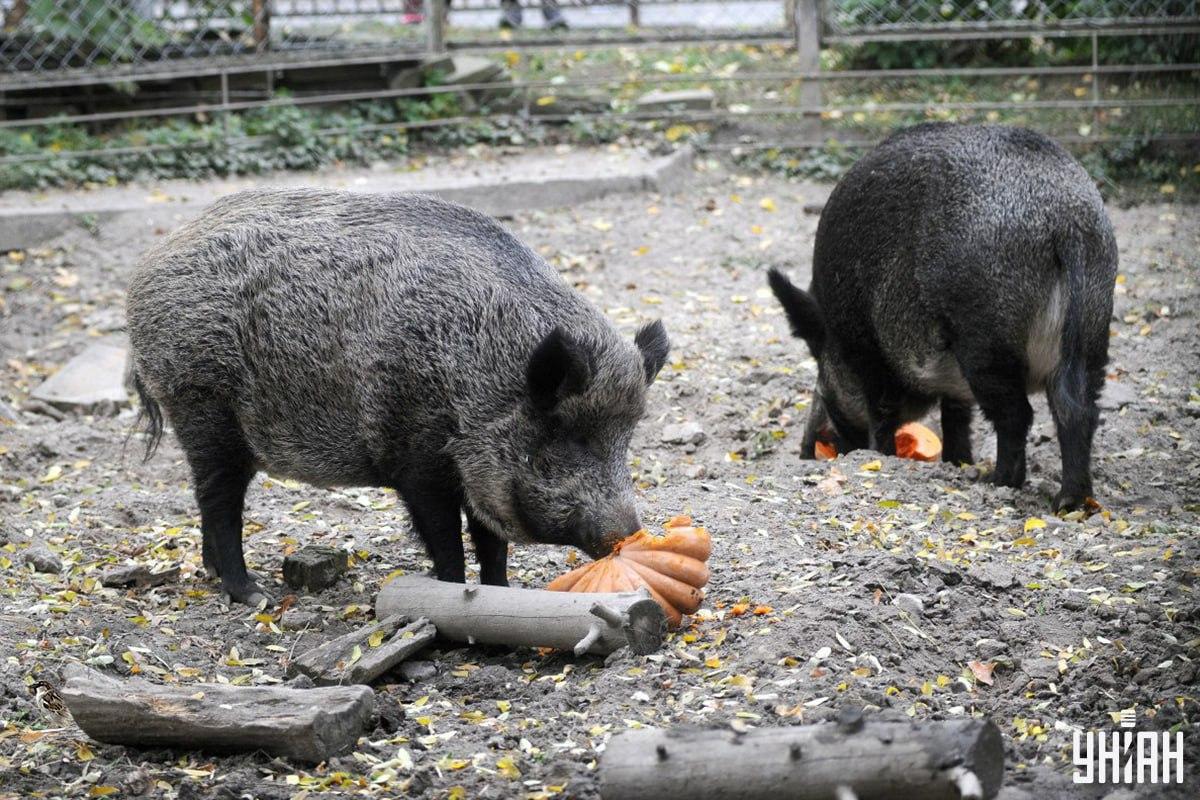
(751, 81)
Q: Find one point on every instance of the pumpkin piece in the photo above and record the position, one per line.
(682, 596)
(917, 442)
(683, 568)
(567, 581)
(825, 451)
(913, 441)
(681, 538)
(589, 581)
(670, 567)
(622, 580)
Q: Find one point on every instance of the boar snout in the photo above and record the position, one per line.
(598, 535)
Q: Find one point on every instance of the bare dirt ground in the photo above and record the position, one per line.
(880, 580)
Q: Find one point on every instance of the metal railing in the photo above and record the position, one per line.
(79, 43)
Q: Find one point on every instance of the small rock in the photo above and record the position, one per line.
(990, 648)
(300, 681)
(813, 209)
(1041, 668)
(689, 99)
(137, 575)
(42, 560)
(315, 568)
(694, 471)
(417, 671)
(295, 619)
(683, 433)
(995, 575)
(91, 380)
(910, 603)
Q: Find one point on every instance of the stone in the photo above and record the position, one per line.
(571, 104)
(996, 576)
(295, 619)
(694, 471)
(90, 381)
(315, 568)
(1041, 668)
(417, 671)
(473, 69)
(137, 575)
(1116, 395)
(910, 603)
(683, 433)
(987, 649)
(42, 559)
(685, 99)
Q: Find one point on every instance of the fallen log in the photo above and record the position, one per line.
(942, 760)
(336, 662)
(303, 724)
(580, 622)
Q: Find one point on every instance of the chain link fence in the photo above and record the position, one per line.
(865, 17)
(760, 60)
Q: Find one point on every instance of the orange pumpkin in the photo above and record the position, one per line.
(913, 441)
(671, 567)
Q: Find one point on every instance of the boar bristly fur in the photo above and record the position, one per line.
(389, 340)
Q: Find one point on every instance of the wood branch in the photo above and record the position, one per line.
(334, 662)
(942, 760)
(303, 724)
(580, 622)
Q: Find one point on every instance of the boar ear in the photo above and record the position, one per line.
(559, 367)
(802, 311)
(653, 342)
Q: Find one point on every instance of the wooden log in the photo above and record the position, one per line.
(582, 622)
(304, 724)
(335, 663)
(942, 760)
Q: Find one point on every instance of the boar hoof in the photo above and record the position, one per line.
(247, 593)
(1069, 500)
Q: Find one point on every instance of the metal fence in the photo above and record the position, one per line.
(104, 42)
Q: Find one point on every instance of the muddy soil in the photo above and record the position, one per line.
(876, 581)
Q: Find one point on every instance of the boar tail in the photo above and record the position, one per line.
(150, 415)
(1069, 385)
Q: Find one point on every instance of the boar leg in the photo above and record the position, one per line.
(437, 517)
(956, 431)
(1072, 393)
(997, 379)
(490, 551)
(222, 466)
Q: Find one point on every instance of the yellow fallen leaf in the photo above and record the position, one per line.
(767, 204)
(54, 473)
(602, 225)
(677, 132)
(547, 100)
(1034, 523)
(873, 466)
(375, 639)
(641, 251)
(508, 768)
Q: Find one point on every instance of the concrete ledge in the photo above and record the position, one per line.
(504, 186)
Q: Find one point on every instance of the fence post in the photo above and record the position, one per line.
(435, 26)
(635, 13)
(807, 30)
(261, 10)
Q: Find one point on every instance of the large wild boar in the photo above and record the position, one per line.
(960, 265)
(396, 341)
